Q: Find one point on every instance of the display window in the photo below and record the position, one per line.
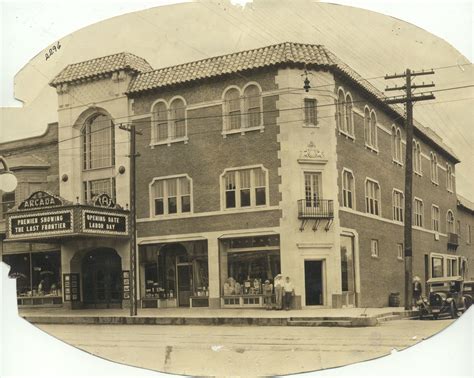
(36, 274)
(246, 263)
(175, 271)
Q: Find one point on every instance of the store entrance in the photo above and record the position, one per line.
(185, 284)
(102, 284)
(313, 272)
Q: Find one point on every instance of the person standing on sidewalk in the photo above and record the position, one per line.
(267, 294)
(278, 284)
(416, 290)
(289, 290)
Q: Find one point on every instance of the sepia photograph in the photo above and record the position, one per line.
(237, 188)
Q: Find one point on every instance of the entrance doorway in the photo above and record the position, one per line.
(185, 284)
(102, 279)
(313, 273)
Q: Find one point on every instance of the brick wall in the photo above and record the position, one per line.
(466, 247)
(207, 153)
(381, 276)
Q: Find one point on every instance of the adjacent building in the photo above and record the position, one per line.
(243, 175)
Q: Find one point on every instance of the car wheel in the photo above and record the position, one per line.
(453, 311)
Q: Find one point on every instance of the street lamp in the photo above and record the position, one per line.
(8, 181)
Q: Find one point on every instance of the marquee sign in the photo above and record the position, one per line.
(103, 222)
(40, 200)
(41, 224)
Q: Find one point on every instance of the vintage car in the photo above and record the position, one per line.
(445, 297)
(468, 292)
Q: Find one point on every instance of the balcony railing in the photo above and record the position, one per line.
(315, 209)
(453, 240)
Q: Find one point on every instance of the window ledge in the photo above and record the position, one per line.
(347, 135)
(243, 130)
(397, 162)
(169, 142)
(311, 125)
(418, 173)
(374, 257)
(244, 209)
(371, 148)
(450, 190)
(435, 183)
(171, 216)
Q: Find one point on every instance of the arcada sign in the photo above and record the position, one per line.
(45, 216)
(39, 200)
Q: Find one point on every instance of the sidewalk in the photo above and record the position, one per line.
(346, 317)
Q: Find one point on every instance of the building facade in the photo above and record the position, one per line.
(243, 175)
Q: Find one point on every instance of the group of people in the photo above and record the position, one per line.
(283, 291)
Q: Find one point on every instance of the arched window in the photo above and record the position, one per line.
(98, 142)
(449, 177)
(178, 118)
(367, 125)
(160, 120)
(373, 129)
(232, 106)
(396, 144)
(434, 167)
(349, 117)
(348, 189)
(450, 222)
(253, 110)
(340, 110)
(399, 144)
(417, 157)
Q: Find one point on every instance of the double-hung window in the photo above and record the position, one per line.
(397, 205)
(244, 188)
(310, 112)
(372, 197)
(449, 177)
(418, 212)
(417, 167)
(242, 109)
(396, 144)
(434, 167)
(169, 122)
(348, 189)
(344, 113)
(374, 248)
(370, 128)
(171, 196)
(435, 218)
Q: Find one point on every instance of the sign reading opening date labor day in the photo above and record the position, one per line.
(47, 223)
(104, 222)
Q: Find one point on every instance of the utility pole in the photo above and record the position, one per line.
(408, 99)
(133, 225)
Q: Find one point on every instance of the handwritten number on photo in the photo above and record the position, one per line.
(52, 50)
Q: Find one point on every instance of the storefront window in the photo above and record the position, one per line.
(436, 267)
(177, 270)
(247, 262)
(37, 274)
(347, 264)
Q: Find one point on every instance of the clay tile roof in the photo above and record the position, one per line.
(100, 66)
(464, 202)
(280, 54)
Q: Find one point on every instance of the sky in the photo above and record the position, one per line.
(371, 43)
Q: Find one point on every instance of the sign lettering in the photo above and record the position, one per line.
(39, 200)
(38, 224)
(107, 223)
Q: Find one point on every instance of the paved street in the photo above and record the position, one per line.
(234, 350)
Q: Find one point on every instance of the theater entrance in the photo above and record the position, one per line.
(313, 273)
(102, 283)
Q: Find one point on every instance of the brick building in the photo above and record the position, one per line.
(243, 175)
(464, 230)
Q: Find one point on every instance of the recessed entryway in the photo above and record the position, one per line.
(313, 273)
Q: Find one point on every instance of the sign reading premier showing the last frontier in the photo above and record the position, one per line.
(48, 223)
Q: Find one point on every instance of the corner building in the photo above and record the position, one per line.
(243, 174)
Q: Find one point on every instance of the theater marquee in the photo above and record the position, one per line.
(43, 216)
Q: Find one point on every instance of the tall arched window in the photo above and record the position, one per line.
(367, 125)
(178, 118)
(232, 106)
(349, 117)
(160, 120)
(449, 177)
(98, 142)
(434, 167)
(396, 144)
(373, 129)
(417, 158)
(450, 222)
(340, 110)
(253, 110)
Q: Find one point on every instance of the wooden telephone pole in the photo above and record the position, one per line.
(133, 216)
(408, 99)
